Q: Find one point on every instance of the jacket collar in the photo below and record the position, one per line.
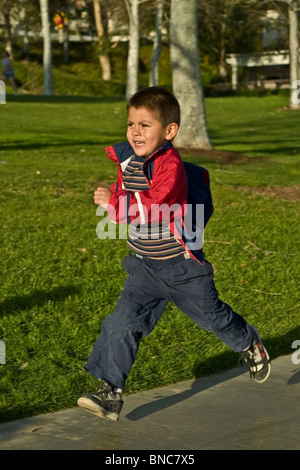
(124, 151)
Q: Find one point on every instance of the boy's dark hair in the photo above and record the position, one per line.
(158, 100)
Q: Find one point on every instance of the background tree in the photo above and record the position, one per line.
(186, 74)
(230, 26)
(154, 69)
(133, 47)
(101, 27)
(47, 50)
(7, 5)
(294, 7)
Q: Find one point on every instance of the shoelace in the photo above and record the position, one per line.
(252, 357)
(106, 391)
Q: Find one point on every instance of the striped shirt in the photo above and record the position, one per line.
(155, 240)
(133, 176)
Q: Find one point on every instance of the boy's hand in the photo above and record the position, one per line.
(102, 196)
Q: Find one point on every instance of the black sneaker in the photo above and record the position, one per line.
(257, 359)
(103, 403)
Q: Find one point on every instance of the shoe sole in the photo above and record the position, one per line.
(89, 405)
(267, 356)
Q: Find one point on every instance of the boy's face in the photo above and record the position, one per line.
(145, 133)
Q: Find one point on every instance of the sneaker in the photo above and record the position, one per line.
(256, 357)
(103, 403)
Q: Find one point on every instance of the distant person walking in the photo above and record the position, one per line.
(8, 72)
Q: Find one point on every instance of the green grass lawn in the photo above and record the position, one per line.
(59, 281)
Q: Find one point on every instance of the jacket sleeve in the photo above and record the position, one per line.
(119, 203)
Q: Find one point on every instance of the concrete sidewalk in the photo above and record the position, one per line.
(222, 411)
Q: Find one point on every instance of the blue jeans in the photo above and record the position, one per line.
(150, 285)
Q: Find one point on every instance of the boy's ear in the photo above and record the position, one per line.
(172, 130)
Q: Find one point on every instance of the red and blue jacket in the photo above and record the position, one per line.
(166, 176)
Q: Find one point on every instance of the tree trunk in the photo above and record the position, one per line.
(8, 36)
(133, 48)
(222, 56)
(294, 51)
(66, 43)
(186, 74)
(103, 56)
(26, 46)
(154, 70)
(47, 53)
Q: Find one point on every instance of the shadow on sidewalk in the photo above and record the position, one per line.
(197, 386)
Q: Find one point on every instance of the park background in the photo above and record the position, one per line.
(59, 281)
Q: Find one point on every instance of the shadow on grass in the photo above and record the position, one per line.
(22, 145)
(71, 143)
(36, 298)
(61, 99)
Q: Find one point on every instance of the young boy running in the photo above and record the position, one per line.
(161, 266)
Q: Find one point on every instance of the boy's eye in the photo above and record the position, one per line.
(131, 125)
